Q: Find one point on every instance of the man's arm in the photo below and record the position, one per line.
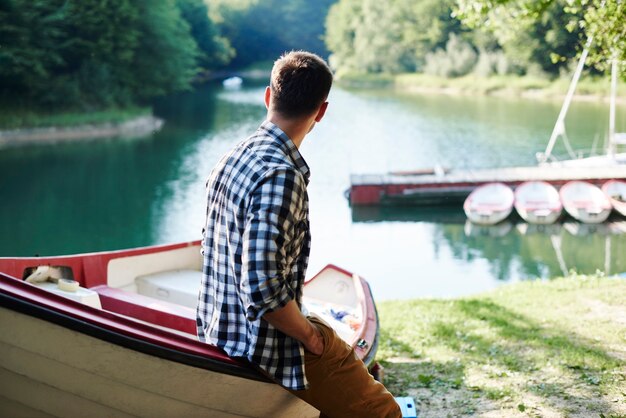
(267, 238)
(290, 320)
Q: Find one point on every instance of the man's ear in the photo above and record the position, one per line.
(321, 112)
(268, 96)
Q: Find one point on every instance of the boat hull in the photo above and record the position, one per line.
(585, 202)
(489, 204)
(615, 190)
(51, 369)
(538, 202)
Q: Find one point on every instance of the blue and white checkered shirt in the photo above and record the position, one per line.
(256, 249)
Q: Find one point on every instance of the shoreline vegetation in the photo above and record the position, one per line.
(528, 87)
(18, 127)
(21, 127)
(548, 348)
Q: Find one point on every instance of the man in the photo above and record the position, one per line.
(256, 247)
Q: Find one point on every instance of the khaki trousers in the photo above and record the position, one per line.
(340, 385)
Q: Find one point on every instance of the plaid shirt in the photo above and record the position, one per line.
(255, 252)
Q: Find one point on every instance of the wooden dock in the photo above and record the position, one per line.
(454, 186)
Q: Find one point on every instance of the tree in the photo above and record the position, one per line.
(260, 30)
(602, 20)
(30, 45)
(215, 50)
(90, 54)
(374, 36)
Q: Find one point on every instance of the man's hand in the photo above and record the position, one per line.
(289, 319)
(315, 345)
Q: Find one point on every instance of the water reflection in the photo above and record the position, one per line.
(514, 248)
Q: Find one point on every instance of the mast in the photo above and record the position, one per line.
(612, 142)
(559, 126)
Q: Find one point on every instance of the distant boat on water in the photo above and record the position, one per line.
(538, 202)
(489, 204)
(232, 82)
(585, 202)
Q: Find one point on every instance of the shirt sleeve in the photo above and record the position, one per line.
(275, 207)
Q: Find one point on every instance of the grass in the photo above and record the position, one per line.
(555, 348)
(508, 85)
(24, 119)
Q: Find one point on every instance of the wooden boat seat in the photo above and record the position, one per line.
(174, 286)
(147, 309)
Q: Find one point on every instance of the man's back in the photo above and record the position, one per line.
(255, 248)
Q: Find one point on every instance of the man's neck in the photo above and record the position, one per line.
(295, 129)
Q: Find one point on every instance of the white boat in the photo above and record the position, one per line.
(115, 336)
(489, 204)
(232, 83)
(538, 202)
(615, 190)
(585, 202)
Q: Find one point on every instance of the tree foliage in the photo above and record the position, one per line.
(373, 36)
(602, 20)
(260, 30)
(517, 36)
(215, 50)
(95, 54)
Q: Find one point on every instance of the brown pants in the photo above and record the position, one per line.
(340, 385)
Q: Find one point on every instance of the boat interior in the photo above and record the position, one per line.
(160, 288)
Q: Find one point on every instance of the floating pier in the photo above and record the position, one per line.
(454, 186)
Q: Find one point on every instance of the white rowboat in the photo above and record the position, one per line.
(489, 204)
(538, 202)
(116, 337)
(615, 190)
(585, 202)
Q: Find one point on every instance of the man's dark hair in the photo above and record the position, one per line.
(300, 83)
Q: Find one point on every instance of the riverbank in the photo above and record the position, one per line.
(540, 348)
(514, 86)
(26, 127)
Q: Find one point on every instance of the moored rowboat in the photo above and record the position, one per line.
(615, 190)
(585, 202)
(121, 341)
(489, 204)
(538, 202)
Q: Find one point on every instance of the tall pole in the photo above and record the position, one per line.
(559, 126)
(612, 145)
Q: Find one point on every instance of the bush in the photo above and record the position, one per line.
(458, 59)
(491, 62)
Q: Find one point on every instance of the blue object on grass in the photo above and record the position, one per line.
(407, 405)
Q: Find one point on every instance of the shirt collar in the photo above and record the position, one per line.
(287, 145)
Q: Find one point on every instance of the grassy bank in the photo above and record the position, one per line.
(549, 349)
(527, 86)
(23, 119)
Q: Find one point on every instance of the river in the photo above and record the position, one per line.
(109, 194)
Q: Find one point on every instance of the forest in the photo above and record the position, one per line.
(93, 54)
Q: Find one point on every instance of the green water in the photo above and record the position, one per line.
(120, 193)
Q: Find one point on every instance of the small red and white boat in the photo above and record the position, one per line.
(538, 202)
(116, 336)
(489, 204)
(615, 190)
(585, 202)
